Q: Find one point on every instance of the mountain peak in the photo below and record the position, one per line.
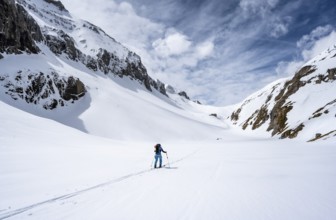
(46, 61)
(58, 4)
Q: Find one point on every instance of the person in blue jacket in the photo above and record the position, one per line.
(158, 156)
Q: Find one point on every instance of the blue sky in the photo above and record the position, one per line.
(219, 51)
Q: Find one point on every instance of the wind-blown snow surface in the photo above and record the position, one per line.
(52, 171)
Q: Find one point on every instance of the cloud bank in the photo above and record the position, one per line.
(219, 52)
(310, 45)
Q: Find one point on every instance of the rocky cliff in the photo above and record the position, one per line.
(41, 26)
(304, 105)
(19, 31)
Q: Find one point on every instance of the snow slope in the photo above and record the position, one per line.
(52, 171)
(116, 107)
(302, 106)
(119, 108)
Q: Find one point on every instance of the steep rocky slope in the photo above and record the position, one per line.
(302, 106)
(20, 36)
(58, 67)
(19, 31)
(39, 26)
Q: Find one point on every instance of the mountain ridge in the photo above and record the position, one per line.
(83, 78)
(48, 22)
(56, 66)
(290, 106)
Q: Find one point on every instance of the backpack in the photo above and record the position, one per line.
(157, 148)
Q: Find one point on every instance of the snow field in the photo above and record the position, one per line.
(234, 178)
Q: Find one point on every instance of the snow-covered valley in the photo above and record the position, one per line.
(62, 173)
(79, 118)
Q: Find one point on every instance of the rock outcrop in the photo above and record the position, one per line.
(46, 89)
(277, 109)
(184, 94)
(19, 31)
(68, 38)
(21, 34)
(58, 4)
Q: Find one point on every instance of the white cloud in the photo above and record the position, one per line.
(267, 20)
(319, 46)
(310, 45)
(309, 40)
(257, 7)
(286, 69)
(217, 58)
(173, 44)
(205, 49)
(187, 55)
(126, 8)
(279, 27)
(119, 20)
(272, 3)
(167, 53)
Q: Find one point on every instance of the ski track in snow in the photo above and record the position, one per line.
(12, 213)
(240, 180)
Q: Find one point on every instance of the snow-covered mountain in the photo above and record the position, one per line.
(63, 68)
(302, 106)
(59, 67)
(44, 26)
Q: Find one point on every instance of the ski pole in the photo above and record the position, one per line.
(168, 160)
(152, 163)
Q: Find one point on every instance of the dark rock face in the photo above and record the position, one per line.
(277, 115)
(332, 74)
(136, 70)
(322, 110)
(71, 88)
(91, 63)
(235, 115)
(19, 30)
(321, 136)
(63, 43)
(292, 133)
(158, 85)
(258, 118)
(184, 94)
(58, 4)
(161, 87)
(214, 115)
(50, 90)
(104, 61)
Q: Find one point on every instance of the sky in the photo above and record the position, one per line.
(218, 51)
